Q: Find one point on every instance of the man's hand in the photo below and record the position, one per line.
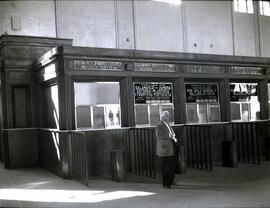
(172, 136)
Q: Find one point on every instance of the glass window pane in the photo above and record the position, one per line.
(261, 7)
(154, 115)
(235, 111)
(214, 113)
(151, 99)
(141, 115)
(266, 8)
(202, 113)
(83, 116)
(246, 96)
(202, 101)
(250, 6)
(192, 114)
(242, 6)
(245, 112)
(97, 104)
(236, 8)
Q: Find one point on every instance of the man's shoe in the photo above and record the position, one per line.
(175, 183)
(167, 187)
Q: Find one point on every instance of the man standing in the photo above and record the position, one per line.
(165, 149)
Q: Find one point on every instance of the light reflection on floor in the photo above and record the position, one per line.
(73, 196)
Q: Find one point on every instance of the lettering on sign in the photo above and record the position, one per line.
(153, 67)
(98, 65)
(246, 70)
(152, 93)
(241, 92)
(205, 93)
(203, 69)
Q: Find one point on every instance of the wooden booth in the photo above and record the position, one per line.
(80, 103)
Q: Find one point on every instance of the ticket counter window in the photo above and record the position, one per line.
(245, 105)
(151, 99)
(97, 105)
(202, 103)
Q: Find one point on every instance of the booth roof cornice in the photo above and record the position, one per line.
(77, 53)
(32, 40)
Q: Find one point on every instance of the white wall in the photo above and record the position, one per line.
(208, 27)
(194, 26)
(158, 26)
(37, 17)
(89, 23)
(265, 36)
(244, 34)
(125, 24)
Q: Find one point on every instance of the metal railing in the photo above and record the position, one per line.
(79, 160)
(198, 146)
(246, 137)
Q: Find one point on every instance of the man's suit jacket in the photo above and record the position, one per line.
(164, 144)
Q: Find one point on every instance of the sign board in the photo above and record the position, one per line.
(246, 70)
(242, 92)
(97, 65)
(205, 93)
(154, 67)
(145, 92)
(203, 69)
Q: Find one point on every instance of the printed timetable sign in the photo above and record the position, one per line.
(201, 93)
(145, 92)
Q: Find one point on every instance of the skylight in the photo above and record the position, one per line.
(265, 8)
(243, 6)
(175, 2)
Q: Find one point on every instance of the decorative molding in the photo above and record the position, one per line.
(19, 75)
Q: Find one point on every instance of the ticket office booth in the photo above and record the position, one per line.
(202, 102)
(150, 100)
(99, 104)
(244, 101)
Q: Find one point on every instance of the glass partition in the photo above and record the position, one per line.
(151, 99)
(202, 103)
(97, 105)
(245, 105)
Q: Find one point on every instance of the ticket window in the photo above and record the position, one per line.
(245, 105)
(202, 103)
(151, 99)
(97, 105)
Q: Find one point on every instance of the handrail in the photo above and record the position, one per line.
(140, 127)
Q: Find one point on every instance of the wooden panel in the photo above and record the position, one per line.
(21, 148)
(99, 146)
(20, 106)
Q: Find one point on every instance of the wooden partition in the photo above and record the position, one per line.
(79, 158)
(20, 147)
(141, 151)
(246, 136)
(198, 144)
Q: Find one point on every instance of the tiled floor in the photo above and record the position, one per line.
(245, 186)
